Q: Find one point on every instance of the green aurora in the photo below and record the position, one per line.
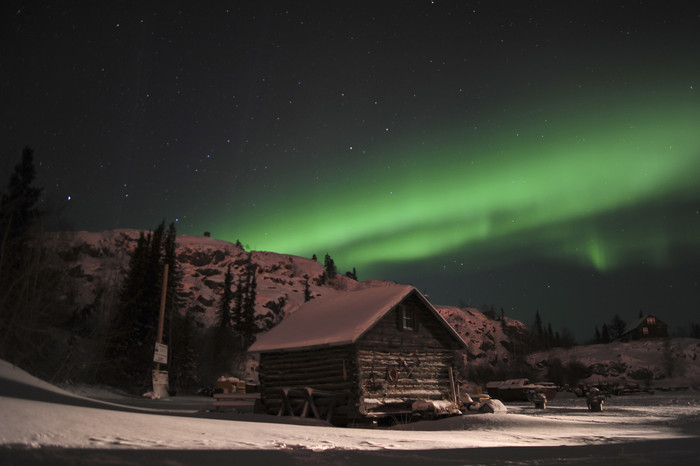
(582, 181)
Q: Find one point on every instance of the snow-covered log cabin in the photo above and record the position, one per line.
(645, 327)
(377, 354)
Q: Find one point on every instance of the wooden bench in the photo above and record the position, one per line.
(235, 400)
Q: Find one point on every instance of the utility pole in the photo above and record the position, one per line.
(163, 295)
(160, 378)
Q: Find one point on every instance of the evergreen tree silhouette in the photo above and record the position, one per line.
(617, 327)
(23, 280)
(329, 266)
(307, 290)
(243, 310)
(133, 330)
(249, 327)
(223, 313)
(223, 346)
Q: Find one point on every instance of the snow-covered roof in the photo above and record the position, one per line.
(338, 319)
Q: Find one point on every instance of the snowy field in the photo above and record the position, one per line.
(44, 424)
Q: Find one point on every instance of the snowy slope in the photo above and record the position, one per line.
(97, 261)
(488, 340)
(658, 362)
(42, 419)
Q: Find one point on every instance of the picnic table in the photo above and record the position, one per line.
(307, 397)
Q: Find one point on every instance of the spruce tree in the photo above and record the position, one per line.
(617, 327)
(132, 333)
(124, 339)
(307, 290)
(223, 332)
(183, 368)
(329, 265)
(223, 313)
(23, 281)
(18, 213)
(180, 337)
(174, 273)
(539, 334)
(352, 274)
(243, 310)
(237, 308)
(249, 327)
(694, 330)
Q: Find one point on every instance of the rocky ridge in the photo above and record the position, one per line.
(97, 262)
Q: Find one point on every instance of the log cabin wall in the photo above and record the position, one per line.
(328, 368)
(402, 358)
(399, 363)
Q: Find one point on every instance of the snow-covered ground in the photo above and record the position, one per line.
(42, 422)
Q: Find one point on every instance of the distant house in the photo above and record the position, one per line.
(646, 327)
(377, 353)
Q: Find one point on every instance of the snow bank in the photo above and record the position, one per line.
(41, 421)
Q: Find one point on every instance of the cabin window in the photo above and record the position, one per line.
(645, 330)
(407, 318)
(651, 320)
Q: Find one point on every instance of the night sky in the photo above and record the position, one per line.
(526, 155)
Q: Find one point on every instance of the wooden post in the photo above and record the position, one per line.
(161, 318)
(162, 304)
(452, 385)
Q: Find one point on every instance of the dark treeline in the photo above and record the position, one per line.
(111, 340)
(131, 333)
(29, 284)
(541, 336)
(614, 330)
(236, 324)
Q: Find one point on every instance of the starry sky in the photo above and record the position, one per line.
(533, 156)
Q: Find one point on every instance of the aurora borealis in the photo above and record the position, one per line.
(526, 155)
(524, 183)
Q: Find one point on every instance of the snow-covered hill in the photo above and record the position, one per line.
(488, 340)
(663, 363)
(97, 262)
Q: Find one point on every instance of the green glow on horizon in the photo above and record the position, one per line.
(529, 180)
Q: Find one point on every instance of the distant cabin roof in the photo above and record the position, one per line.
(338, 319)
(640, 321)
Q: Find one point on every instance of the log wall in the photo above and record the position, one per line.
(386, 369)
(405, 364)
(329, 368)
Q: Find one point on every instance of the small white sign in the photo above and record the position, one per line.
(161, 354)
(160, 384)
